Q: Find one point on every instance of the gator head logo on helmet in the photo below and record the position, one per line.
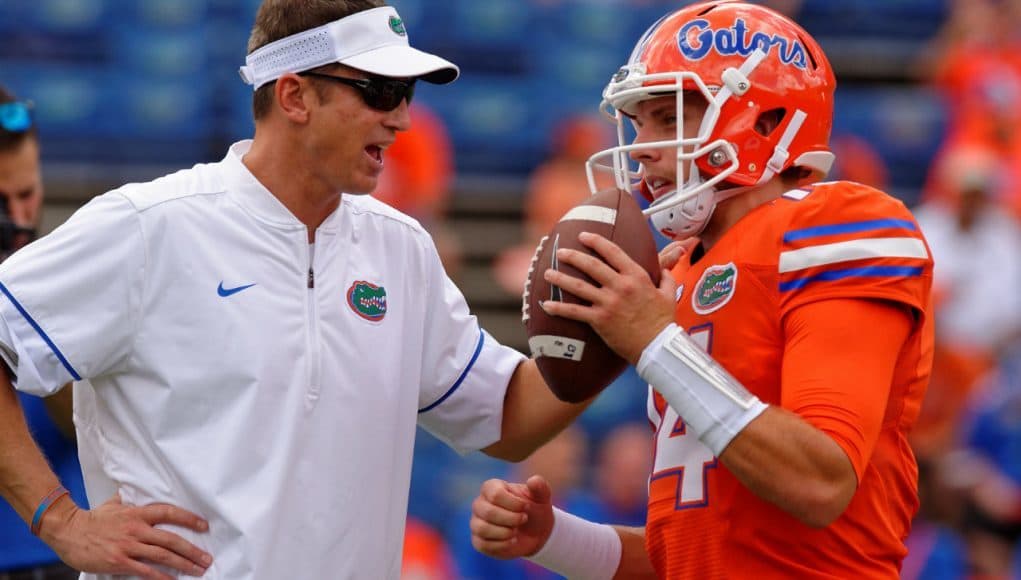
(367, 300)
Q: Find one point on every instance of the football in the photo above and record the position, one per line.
(572, 357)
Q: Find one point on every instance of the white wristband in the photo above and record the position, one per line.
(578, 548)
(711, 401)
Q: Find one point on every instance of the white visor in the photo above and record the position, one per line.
(373, 41)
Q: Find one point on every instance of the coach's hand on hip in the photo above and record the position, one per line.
(115, 538)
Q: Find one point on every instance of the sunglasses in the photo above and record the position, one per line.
(380, 93)
(16, 117)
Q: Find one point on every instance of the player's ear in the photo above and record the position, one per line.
(768, 121)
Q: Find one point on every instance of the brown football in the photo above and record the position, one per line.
(571, 356)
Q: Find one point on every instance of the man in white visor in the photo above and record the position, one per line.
(255, 340)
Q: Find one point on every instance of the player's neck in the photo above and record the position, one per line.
(730, 211)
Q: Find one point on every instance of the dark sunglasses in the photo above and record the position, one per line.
(16, 117)
(380, 93)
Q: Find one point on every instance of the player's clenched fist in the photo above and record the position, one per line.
(512, 520)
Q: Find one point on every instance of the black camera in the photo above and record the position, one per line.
(12, 236)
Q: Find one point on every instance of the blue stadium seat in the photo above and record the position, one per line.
(98, 115)
(167, 14)
(238, 123)
(490, 23)
(55, 30)
(155, 52)
(894, 20)
(13, 16)
(158, 108)
(70, 101)
(577, 68)
(63, 15)
(613, 26)
(226, 42)
(497, 124)
(904, 124)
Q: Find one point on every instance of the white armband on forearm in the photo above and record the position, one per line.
(712, 402)
(578, 548)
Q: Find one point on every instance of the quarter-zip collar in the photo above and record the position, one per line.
(249, 193)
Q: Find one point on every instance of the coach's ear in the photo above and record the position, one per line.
(293, 94)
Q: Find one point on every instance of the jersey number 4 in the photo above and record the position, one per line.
(679, 453)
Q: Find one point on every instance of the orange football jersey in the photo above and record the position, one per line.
(834, 240)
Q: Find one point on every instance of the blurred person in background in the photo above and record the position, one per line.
(982, 474)
(967, 434)
(936, 548)
(22, 555)
(857, 160)
(261, 337)
(556, 186)
(975, 243)
(621, 481)
(417, 180)
(973, 62)
(426, 553)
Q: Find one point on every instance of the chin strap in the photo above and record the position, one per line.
(780, 154)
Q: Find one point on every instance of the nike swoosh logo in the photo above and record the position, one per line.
(225, 292)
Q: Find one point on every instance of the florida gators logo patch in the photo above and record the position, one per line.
(367, 300)
(714, 289)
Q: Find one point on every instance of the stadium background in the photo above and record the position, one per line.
(126, 90)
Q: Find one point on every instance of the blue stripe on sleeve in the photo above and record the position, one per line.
(866, 272)
(460, 379)
(848, 228)
(46, 339)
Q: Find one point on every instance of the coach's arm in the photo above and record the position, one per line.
(112, 538)
(532, 415)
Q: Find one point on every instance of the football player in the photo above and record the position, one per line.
(788, 352)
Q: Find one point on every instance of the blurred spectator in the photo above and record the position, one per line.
(555, 187)
(936, 551)
(977, 274)
(857, 160)
(622, 474)
(985, 474)
(419, 168)
(417, 178)
(22, 555)
(974, 62)
(426, 555)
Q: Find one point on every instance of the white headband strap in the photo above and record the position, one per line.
(342, 40)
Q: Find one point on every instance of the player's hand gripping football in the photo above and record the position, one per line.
(512, 520)
(626, 309)
(114, 538)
